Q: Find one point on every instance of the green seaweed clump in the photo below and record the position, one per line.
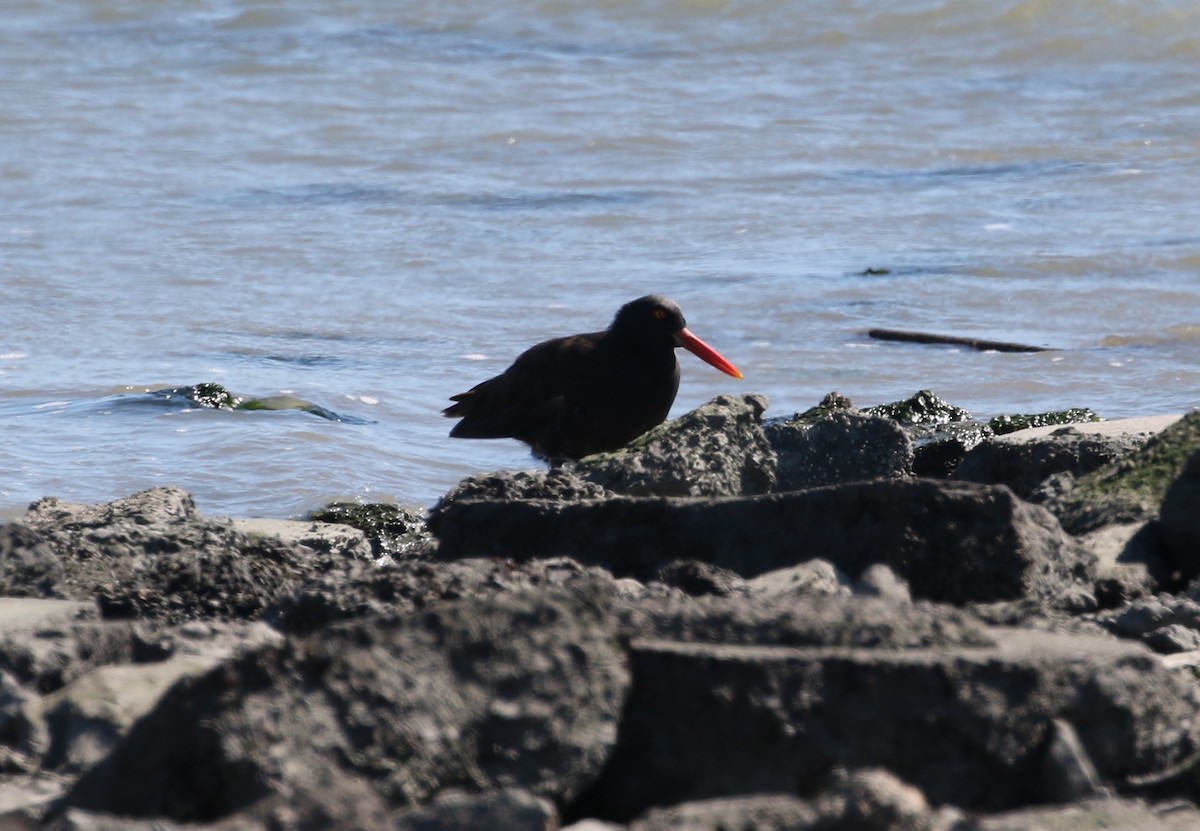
(832, 403)
(925, 407)
(290, 402)
(393, 531)
(213, 396)
(1012, 423)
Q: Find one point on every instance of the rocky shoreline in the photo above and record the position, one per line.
(849, 619)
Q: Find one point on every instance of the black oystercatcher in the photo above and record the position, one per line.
(570, 397)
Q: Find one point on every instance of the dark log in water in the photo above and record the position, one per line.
(973, 343)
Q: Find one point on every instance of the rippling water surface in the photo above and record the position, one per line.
(371, 207)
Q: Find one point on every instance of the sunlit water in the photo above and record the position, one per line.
(374, 206)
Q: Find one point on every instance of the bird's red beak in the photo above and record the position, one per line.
(706, 353)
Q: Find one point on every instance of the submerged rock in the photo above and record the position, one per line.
(213, 396)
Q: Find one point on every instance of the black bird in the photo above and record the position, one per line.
(571, 397)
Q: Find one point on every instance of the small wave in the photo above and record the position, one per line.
(547, 200)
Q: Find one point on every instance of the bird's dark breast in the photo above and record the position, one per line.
(613, 404)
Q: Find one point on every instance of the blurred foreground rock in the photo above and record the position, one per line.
(884, 651)
(950, 541)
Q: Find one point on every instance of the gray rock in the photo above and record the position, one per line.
(880, 581)
(1166, 623)
(48, 643)
(760, 812)
(154, 507)
(966, 725)
(1139, 618)
(89, 716)
(1172, 639)
(339, 806)
(1039, 614)
(24, 799)
(493, 690)
(814, 620)
(1066, 772)
(151, 555)
(366, 589)
(810, 577)
(521, 690)
(329, 538)
(525, 484)
(845, 446)
(1093, 815)
(1129, 562)
(24, 737)
(697, 578)
(1024, 464)
(590, 824)
(859, 800)
(717, 449)
(955, 542)
(88, 821)
(29, 565)
(873, 800)
(96, 687)
(1179, 520)
(509, 809)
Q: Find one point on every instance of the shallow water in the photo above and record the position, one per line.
(372, 208)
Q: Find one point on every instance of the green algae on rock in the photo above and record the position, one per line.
(393, 531)
(832, 403)
(925, 407)
(1132, 488)
(208, 394)
(1002, 424)
(941, 432)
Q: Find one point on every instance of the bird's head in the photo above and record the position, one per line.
(654, 318)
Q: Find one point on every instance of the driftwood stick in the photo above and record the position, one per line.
(973, 343)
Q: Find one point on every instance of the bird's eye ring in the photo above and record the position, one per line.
(660, 314)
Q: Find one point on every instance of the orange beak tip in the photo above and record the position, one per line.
(707, 354)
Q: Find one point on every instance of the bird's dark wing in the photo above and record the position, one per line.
(526, 397)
